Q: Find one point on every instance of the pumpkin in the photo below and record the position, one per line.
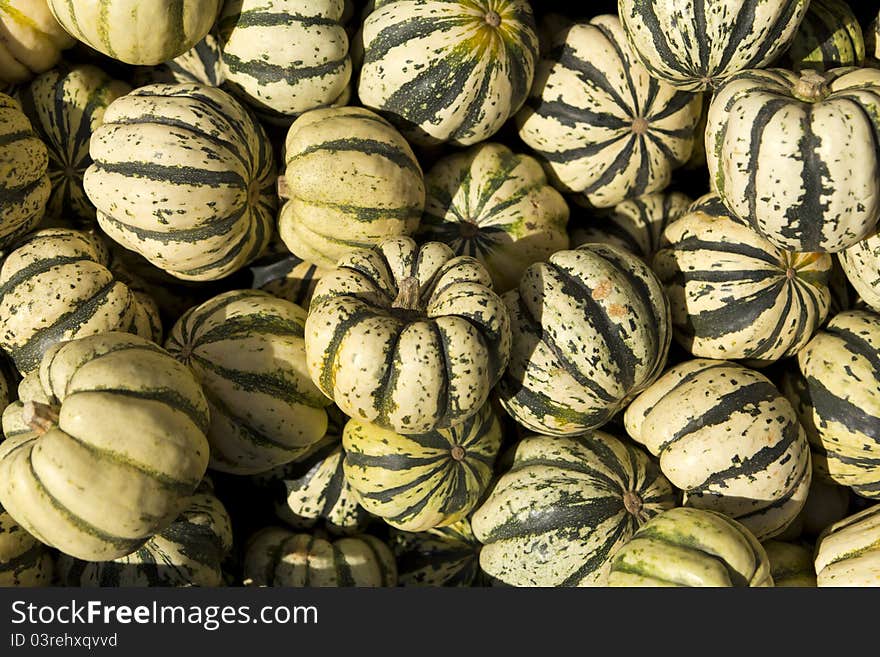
(601, 124)
(202, 63)
(420, 481)
(497, 206)
(563, 508)
(24, 561)
(728, 439)
(829, 36)
(246, 348)
(32, 40)
(104, 447)
(65, 106)
(441, 556)
(794, 155)
(467, 66)
(590, 329)
(697, 44)
(733, 294)
(184, 176)
(791, 564)
(289, 278)
(847, 552)
(861, 267)
(684, 546)
(141, 32)
(24, 185)
(56, 285)
(410, 338)
(280, 557)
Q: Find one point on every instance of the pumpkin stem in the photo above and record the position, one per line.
(492, 18)
(632, 503)
(458, 453)
(407, 294)
(39, 417)
(811, 87)
(640, 125)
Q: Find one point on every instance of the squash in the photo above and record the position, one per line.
(184, 176)
(202, 63)
(56, 285)
(733, 294)
(565, 505)
(24, 561)
(246, 348)
(410, 338)
(829, 36)
(691, 547)
(448, 71)
(728, 439)
(697, 44)
(104, 447)
(442, 556)
(861, 267)
(497, 206)
(590, 329)
(290, 278)
(847, 552)
(794, 155)
(599, 122)
(826, 504)
(791, 564)
(32, 40)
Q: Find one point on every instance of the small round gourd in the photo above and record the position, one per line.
(847, 553)
(861, 266)
(829, 36)
(32, 40)
(791, 564)
(24, 561)
(441, 556)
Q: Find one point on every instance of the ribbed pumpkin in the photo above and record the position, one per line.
(847, 554)
(66, 105)
(410, 338)
(691, 547)
(565, 505)
(24, 561)
(729, 439)
(144, 32)
(795, 156)
(442, 556)
(351, 180)
(201, 64)
(24, 184)
(603, 126)
(56, 285)
(733, 294)
(861, 265)
(425, 480)
(104, 447)
(32, 39)
(468, 66)
(829, 36)
(185, 176)
(497, 206)
(696, 44)
(590, 329)
(791, 564)
(291, 278)
(280, 557)
(246, 348)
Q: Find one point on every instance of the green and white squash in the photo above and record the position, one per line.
(203, 63)
(733, 294)
(24, 561)
(351, 181)
(467, 66)
(590, 329)
(421, 481)
(697, 44)
(861, 265)
(847, 554)
(795, 156)
(56, 285)
(410, 338)
(442, 556)
(826, 504)
(184, 176)
(247, 350)
(104, 447)
(564, 507)
(691, 547)
(829, 36)
(791, 564)
(728, 439)
(497, 206)
(32, 40)
(599, 122)
(292, 279)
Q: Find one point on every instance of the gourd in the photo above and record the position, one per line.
(847, 553)
(791, 564)
(829, 36)
(441, 556)
(291, 278)
(861, 264)
(24, 561)
(32, 40)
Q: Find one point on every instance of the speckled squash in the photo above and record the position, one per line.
(24, 561)
(563, 508)
(791, 564)
(829, 36)
(201, 64)
(861, 265)
(442, 556)
(32, 40)
(847, 554)
(292, 279)
(728, 439)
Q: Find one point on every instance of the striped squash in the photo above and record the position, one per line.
(185, 176)
(24, 561)
(847, 554)
(691, 547)
(280, 557)
(557, 516)
(246, 348)
(842, 371)
(66, 105)
(410, 338)
(24, 183)
(795, 154)
(202, 63)
(104, 447)
(600, 123)
(697, 44)
(826, 504)
(141, 32)
(791, 564)
(56, 285)
(728, 439)
(290, 278)
(733, 294)
(425, 480)
(351, 180)
(829, 36)
(590, 329)
(861, 266)
(448, 70)
(497, 206)
(32, 40)
(442, 556)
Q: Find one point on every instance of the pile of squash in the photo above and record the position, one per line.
(439, 293)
